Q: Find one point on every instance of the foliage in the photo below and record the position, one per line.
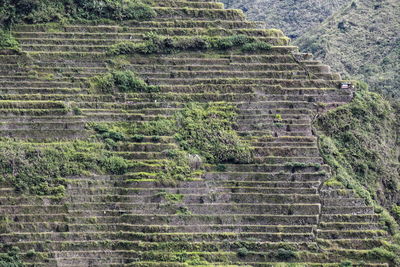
(121, 81)
(156, 44)
(39, 169)
(7, 41)
(346, 264)
(256, 46)
(11, 259)
(232, 41)
(41, 11)
(242, 252)
(207, 130)
(337, 43)
(177, 166)
(359, 141)
(285, 254)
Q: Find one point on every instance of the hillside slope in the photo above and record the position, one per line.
(361, 41)
(358, 39)
(293, 17)
(182, 137)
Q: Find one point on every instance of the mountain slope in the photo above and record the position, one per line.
(361, 41)
(293, 17)
(358, 39)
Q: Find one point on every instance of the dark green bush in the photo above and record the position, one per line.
(285, 254)
(7, 41)
(232, 41)
(256, 46)
(346, 264)
(242, 252)
(115, 165)
(207, 130)
(121, 81)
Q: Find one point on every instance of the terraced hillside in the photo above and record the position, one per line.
(274, 209)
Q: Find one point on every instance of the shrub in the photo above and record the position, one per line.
(115, 165)
(256, 46)
(232, 41)
(346, 264)
(242, 252)
(177, 166)
(285, 254)
(207, 130)
(122, 48)
(11, 258)
(121, 81)
(7, 41)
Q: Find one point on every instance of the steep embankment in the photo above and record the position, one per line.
(183, 137)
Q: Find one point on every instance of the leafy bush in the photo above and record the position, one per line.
(7, 41)
(122, 48)
(11, 258)
(160, 127)
(285, 254)
(121, 81)
(232, 41)
(155, 44)
(242, 252)
(115, 165)
(39, 169)
(256, 46)
(207, 130)
(177, 166)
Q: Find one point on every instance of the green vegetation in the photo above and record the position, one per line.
(121, 81)
(200, 129)
(337, 42)
(332, 31)
(41, 11)
(40, 169)
(7, 41)
(11, 258)
(207, 130)
(291, 16)
(156, 44)
(204, 133)
(256, 46)
(359, 141)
